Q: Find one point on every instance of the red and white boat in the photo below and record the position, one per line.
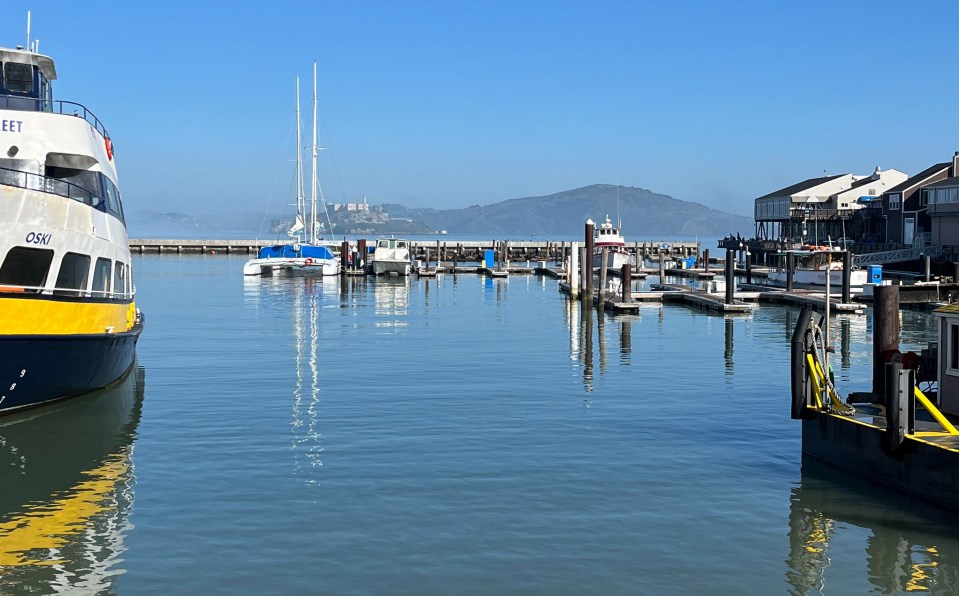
(608, 236)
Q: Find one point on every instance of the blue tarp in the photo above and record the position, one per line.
(286, 251)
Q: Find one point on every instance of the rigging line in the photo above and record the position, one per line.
(276, 179)
(336, 170)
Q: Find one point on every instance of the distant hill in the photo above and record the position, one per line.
(644, 214)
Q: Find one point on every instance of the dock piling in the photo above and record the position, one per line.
(730, 276)
(587, 261)
(627, 280)
(885, 332)
(602, 275)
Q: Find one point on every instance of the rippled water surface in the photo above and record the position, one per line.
(454, 435)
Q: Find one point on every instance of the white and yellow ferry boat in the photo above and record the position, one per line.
(68, 321)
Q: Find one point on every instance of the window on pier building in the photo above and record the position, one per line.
(952, 347)
(73, 275)
(895, 201)
(101, 278)
(25, 269)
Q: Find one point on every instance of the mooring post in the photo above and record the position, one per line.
(602, 274)
(790, 267)
(846, 276)
(730, 276)
(627, 277)
(587, 261)
(344, 256)
(928, 267)
(662, 267)
(749, 267)
(585, 273)
(706, 260)
(427, 259)
(361, 248)
(885, 332)
(573, 273)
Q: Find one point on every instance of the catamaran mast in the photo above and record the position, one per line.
(299, 160)
(313, 169)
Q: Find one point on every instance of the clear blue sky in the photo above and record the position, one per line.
(449, 104)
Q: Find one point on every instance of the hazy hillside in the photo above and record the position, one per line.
(643, 214)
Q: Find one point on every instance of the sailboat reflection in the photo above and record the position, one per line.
(908, 546)
(307, 444)
(67, 481)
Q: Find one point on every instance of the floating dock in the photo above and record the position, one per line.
(894, 435)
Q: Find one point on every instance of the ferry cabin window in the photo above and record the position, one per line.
(18, 78)
(119, 275)
(101, 278)
(26, 268)
(73, 275)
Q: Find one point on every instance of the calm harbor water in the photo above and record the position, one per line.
(457, 435)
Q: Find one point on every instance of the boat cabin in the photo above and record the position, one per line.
(25, 80)
(948, 323)
(818, 258)
(391, 243)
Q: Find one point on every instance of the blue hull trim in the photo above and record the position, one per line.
(36, 369)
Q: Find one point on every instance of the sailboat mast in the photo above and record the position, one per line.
(299, 160)
(314, 180)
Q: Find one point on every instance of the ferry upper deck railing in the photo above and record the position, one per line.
(56, 186)
(53, 106)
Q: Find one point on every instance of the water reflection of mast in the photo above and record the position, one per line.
(306, 437)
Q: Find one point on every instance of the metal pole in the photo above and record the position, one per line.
(846, 276)
(706, 260)
(928, 268)
(825, 331)
(790, 266)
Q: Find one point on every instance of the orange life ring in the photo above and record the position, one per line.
(308, 261)
(109, 146)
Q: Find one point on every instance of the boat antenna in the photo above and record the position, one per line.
(28, 31)
(619, 219)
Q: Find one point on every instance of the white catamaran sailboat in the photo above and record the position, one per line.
(308, 255)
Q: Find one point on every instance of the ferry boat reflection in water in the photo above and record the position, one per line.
(67, 477)
(68, 321)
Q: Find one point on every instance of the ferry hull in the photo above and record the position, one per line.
(36, 369)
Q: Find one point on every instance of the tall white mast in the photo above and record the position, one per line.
(299, 160)
(314, 181)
